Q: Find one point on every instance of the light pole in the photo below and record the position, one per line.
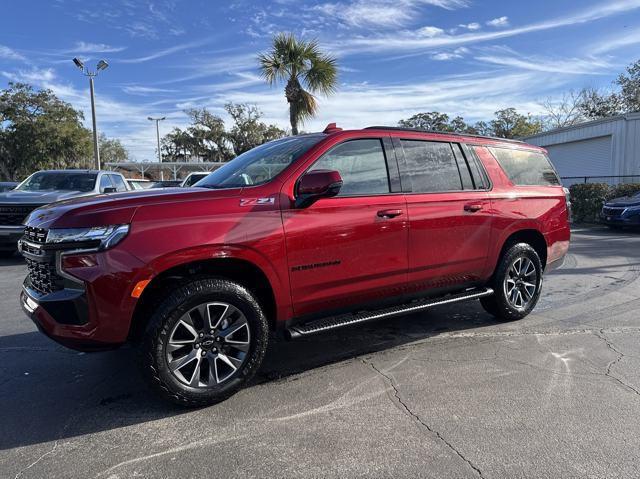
(102, 65)
(158, 120)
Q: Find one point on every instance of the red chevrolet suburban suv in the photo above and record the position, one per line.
(297, 236)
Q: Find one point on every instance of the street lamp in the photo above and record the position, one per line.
(158, 120)
(102, 65)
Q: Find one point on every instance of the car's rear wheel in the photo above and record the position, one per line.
(517, 283)
(204, 342)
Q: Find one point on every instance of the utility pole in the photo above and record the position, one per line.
(102, 65)
(158, 120)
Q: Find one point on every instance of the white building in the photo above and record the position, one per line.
(608, 147)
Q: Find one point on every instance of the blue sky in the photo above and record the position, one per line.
(396, 58)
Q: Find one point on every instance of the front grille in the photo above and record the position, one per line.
(14, 215)
(43, 276)
(614, 212)
(35, 235)
(40, 262)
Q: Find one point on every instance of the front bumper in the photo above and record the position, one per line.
(625, 219)
(55, 314)
(9, 236)
(91, 307)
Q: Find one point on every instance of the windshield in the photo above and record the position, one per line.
(59, 181)
(261, 164)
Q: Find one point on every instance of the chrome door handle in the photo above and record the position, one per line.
(472, 207)
(389, 213)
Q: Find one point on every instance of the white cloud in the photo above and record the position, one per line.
(471, 26)
(430, 32)
(411, 41)
(605, 45)
(380, 13)
(452, 55)
(575, 66)
(166, 51)
(85, 47)
(499, 22)
(145, 90)
(9, 53)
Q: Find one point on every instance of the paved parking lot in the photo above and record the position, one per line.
(447, 393)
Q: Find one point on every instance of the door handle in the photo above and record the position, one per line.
(389, 213)
(473, 207)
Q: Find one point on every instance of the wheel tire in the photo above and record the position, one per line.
(164, 323)
(499, 304)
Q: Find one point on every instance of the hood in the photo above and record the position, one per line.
(624, 201)
(38, 197)
(114, 208)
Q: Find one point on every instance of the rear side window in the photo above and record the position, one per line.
(430, 166)
(465, 174)
(526, 167)
(362, 165)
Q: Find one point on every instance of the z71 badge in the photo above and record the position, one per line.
(257, 201)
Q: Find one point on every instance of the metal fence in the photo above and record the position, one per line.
(610, 180)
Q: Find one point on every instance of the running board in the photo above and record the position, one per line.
(325, 324)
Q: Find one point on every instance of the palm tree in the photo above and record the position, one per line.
(299, 63)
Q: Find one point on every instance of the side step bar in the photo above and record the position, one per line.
(325, 324)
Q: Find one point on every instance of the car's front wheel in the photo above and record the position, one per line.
(204, 342)
(517, 283)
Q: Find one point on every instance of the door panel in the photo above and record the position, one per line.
(341, 252)
(449, 231)
(448, 244)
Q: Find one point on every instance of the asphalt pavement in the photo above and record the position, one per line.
(444, 393)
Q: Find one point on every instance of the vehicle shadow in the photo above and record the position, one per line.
(49, 393)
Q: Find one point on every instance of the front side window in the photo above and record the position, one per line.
(118, 182)
(526, 168)
(59, 181)
(105, 182)
(430, 167)
(362, 165)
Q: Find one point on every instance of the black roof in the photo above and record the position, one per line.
(399, 128)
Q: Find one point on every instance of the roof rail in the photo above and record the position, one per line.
(399, 128)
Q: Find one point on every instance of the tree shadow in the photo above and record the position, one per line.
(49, 393)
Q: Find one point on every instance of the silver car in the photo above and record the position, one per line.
(44, 187)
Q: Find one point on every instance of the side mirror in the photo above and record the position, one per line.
(109, 189)
(315, 185)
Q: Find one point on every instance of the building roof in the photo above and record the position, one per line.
(624, 117)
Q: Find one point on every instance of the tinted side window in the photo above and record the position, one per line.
(465, 174)
(526, 167)
(430, 167)
(361, 164)
(105, 182)
(479, 175)
(118, 182)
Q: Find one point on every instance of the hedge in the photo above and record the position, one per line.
(587, 198)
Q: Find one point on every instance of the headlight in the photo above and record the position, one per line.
(98, 237)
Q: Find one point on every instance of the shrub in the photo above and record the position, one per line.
(627, 189)
(587, 200)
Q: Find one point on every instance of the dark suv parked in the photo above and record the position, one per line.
(621, 212)
(297, 236)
